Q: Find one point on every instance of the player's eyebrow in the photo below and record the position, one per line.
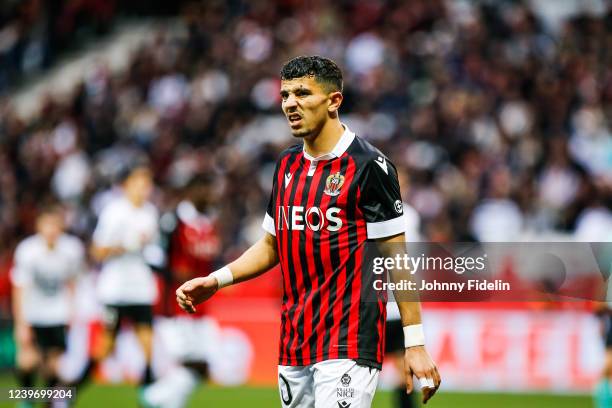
(296, 89)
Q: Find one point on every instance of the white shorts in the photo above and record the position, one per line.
(329, 384)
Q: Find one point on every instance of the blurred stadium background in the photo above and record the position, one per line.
(498, 112)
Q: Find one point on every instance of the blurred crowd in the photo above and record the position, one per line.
(33, 33)
(501, 125)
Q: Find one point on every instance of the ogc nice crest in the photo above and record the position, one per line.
(333, 184)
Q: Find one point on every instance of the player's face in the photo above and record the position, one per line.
(201, 196)
(305, 103)
(50, 227)
(139, 185)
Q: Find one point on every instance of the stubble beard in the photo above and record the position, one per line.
(308, 132)
(301, 133)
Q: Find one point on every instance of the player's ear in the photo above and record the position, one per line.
(335, 100)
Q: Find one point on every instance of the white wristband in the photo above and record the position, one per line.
(224, 277)
(414, 336)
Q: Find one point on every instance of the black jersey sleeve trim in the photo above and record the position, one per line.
(380, 201)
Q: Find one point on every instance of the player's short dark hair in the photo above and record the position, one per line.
(200, 180)
(324, 70)
(133, 167)
(50, 207)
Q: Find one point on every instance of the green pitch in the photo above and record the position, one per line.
(265, 397)
(104, 396)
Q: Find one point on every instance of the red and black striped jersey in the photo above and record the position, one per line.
(322, 210)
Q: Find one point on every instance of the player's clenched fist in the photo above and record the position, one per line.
(196, 291)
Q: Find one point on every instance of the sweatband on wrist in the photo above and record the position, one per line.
(224, 277)
(414, 335)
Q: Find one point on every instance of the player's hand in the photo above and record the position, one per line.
(418, 363)
(196, 291)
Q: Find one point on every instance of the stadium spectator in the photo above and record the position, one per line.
(33, 33)
(473, 90)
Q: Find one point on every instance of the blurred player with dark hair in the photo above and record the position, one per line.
(126, 285)
(192, 244)
(331, 194)
(45, 268)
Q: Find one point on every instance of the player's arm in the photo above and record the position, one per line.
(256, 260)
(22, 328)
(417, 361)
(102, 253)
(104, 244)
(16, 302)
(108, 237)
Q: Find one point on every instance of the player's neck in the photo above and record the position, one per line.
(50, 244)
(135, 201)
(326, 140)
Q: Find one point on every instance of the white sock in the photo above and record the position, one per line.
(173, 389)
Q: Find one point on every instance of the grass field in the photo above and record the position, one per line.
(120, 396)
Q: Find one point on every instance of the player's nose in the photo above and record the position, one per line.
(289, 103)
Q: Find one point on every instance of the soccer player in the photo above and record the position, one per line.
(45, 268)
(192, 244)
(331, 194)
(603, 391)
(126, 285)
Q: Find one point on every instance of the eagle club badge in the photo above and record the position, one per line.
(333, 184)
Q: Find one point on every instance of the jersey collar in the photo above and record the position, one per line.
(343, 144)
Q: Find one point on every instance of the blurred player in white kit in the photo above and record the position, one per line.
(126, 285)
(43, 277)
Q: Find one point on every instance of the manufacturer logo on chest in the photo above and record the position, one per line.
(333, 184)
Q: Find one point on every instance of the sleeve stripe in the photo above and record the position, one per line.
(386, 228)
(268, 224)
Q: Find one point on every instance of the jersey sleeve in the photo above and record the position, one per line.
(155, 227)
(380, 200)
(268, 222)
(21, 273)
(108, 229)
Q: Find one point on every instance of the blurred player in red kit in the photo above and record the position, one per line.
(192, 243)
